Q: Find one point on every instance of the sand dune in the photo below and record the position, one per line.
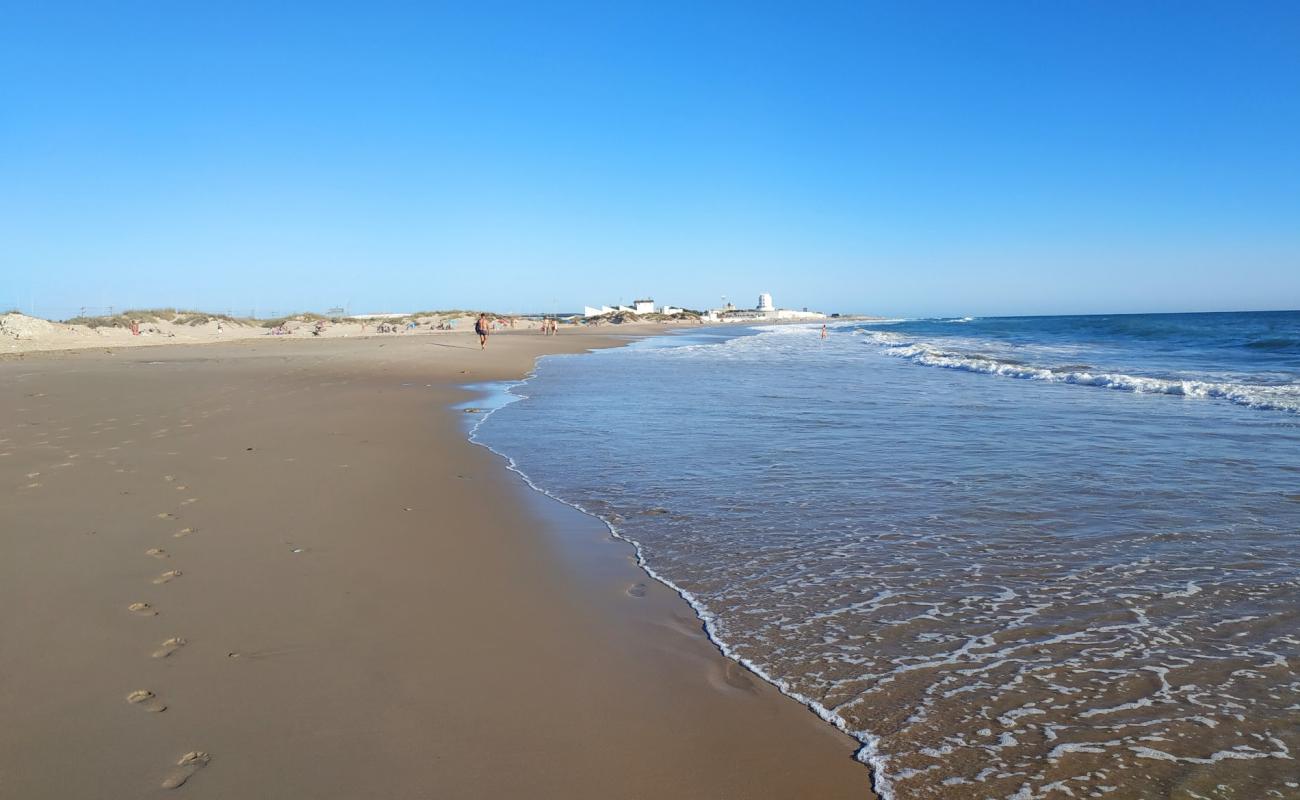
(20, 333)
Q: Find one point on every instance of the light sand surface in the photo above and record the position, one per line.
(21, 334)
(336, 596)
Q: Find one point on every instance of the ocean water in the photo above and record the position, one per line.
(1051, 557)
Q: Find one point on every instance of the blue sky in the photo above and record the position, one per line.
(908, 158)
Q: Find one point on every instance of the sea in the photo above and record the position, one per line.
(1014, 557)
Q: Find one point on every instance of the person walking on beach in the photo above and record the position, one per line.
(481, 328)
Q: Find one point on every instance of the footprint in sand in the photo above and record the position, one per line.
(147, 700)
(636, 590)
(182, 533)
(168, 576)
(189, 764)
(157, 552)
(169, 478)
(168, 647)
(181, 487)
(189, 500)
(165, 515)
(31, 475)
(142, 610)
(32, 485)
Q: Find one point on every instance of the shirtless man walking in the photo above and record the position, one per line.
(481, 328)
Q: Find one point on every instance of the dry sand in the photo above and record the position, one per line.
(323, 591)
(21, 334)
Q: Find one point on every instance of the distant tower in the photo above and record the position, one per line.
(765, 302)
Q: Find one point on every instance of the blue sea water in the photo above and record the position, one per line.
(1015, 557)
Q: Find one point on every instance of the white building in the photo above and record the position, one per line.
(766, 310)
(640, 307)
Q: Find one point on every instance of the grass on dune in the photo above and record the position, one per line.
(156, 315)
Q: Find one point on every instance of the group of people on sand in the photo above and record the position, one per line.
(550, 327)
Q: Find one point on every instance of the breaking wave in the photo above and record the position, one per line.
(1284, 397)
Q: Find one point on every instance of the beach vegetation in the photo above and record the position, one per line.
(306, 316)
(196, 318)
(452, 312)
(123, 319)
(153, 316)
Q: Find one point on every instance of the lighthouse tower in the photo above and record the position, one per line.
(765, 302)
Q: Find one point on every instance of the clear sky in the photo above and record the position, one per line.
(906, 157)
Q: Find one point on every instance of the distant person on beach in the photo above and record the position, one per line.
(481, 328)
(823, 331)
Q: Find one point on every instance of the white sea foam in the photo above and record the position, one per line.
(874, 599)
(1259, 396)
(869, 751)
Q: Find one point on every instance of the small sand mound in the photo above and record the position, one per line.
(21, 326)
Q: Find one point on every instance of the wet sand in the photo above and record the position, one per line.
(277, 569)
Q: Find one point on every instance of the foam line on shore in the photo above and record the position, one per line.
(868, 752)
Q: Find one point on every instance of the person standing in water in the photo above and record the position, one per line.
(823, 331)
(481, 328)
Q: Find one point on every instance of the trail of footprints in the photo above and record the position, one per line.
(190, 763)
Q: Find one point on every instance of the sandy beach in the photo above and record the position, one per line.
(276, 568)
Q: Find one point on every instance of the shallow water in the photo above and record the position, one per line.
(1003, 587)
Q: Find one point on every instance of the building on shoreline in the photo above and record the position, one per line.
(639, 307)
(766, 310)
